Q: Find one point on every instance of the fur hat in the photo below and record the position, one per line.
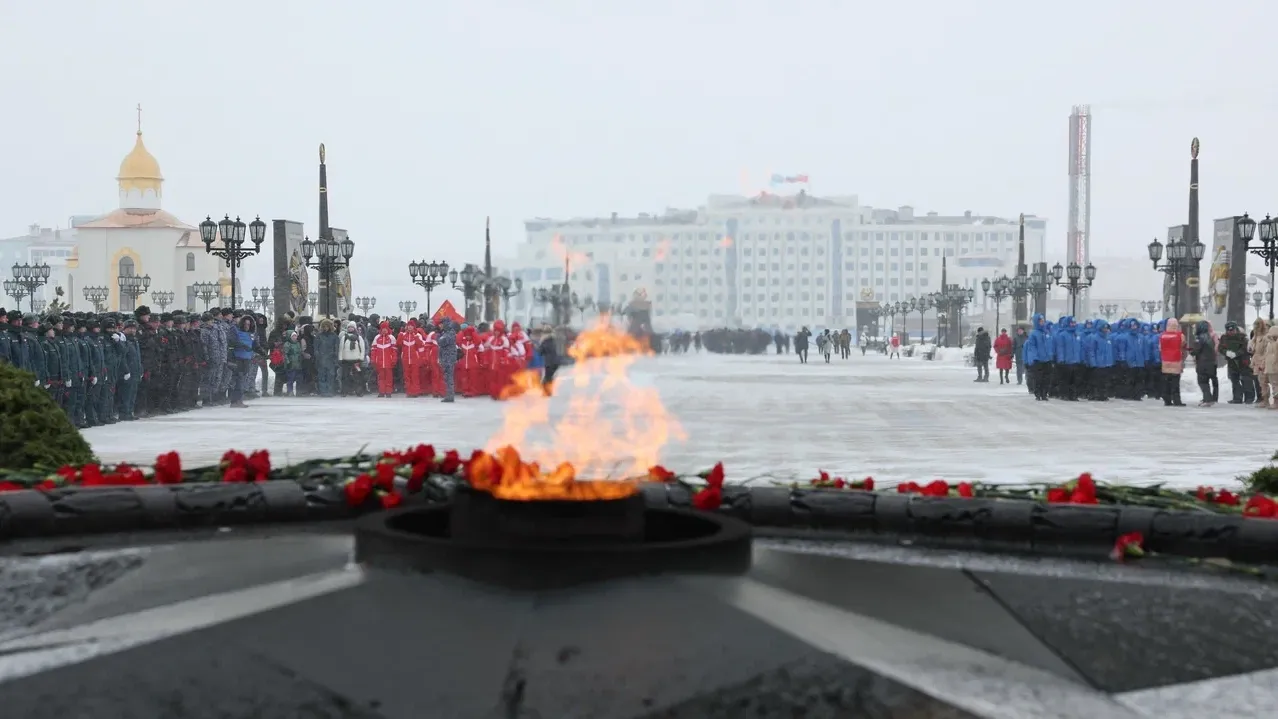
(141, 311)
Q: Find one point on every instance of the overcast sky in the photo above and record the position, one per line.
(436, 114)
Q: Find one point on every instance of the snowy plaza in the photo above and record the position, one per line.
(768, 416)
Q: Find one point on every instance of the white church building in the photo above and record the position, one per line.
(140, 238)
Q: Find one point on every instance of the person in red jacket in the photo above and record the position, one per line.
(467, 362)
(410, 345)
(499, 356)
(1171, 347)
(384, 357)
(432, 377)
(521, 339)
(1003, 351)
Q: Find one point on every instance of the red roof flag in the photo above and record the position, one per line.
(446, 310)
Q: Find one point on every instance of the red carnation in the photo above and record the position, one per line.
(708, 499)
(450, 463)
(91, 476)
(358, 489)
(867, 484)
(714, 478)
(936, 488)
(168, 468)
(657, 473)
(67, 473)
(10, 487)
(1131, 544)
(1227, 498)
(391, 500)
(965, 490)
(45, 485)
(127, 475)
(385, 476)
(235, 473)
(1261, 506)
(1084, 490)
(1057, 495)
(260, 465)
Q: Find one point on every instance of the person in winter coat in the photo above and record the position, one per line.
(1171, 350)
(801, 344)
(242, 350)
(1038, 355)
(412, 353)
(1204, 352)
(1259, 351)
(1004, 348)
(446, 340)
(326, 363)
(292, 362)
(351, 349)
(384, 355)
(981, 355)
(549, 352)
(1270, 381)
(1233, 345)
(1068, 356)
(1018, 353)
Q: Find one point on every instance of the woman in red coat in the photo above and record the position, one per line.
(1171, 348)
(384, 356)
(410, 346)
(1003, 351)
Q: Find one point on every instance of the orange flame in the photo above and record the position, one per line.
(611, 427)
(663, 249)
(572, 257)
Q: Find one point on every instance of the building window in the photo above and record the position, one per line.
(125, 269)
(190, 262)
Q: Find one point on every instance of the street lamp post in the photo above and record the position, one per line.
(507, 288)
(30, 278)
(232, 234)
(559, 297)
(582, 304)
(998, 290)
(38, 306)
(16, 291)
(956, 298)
(1182, 259)
(428, 276)
(206, 292)
(1109, 310)
(98, 297)
(407, 307)
(163, 298)
(1074, 279)
(1266, 250)
(262, 297)
(366, 304)
(327, 257)
(132, 287)
(920, 305)
(1036, 284)
(312, 302)
(471, 278)
(1258, 299)
(1150, 307)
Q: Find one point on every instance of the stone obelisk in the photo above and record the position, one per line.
(1021, 297)
(327, 289)
(1188, 289)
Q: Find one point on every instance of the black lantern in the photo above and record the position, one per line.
(428, 276)
(326, 257)
(232, 250)
(1267, 249)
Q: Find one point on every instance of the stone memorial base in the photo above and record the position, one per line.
(283, 623)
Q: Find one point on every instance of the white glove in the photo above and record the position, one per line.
(127, 376)
(1231, 354)
(70, 382)
(37, 383)
(46, 385)
(95, 380)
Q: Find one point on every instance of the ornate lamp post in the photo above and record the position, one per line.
(428, 276)
(132, 287)
(582, 304)
(559, 297)
(1109, 310)
(366, 304)
(920, 305)
(98, 296)
(232, 234)
(38, 306)
(955, 299)
(163, 298)
(312, 302)
(327, 257)
(262, 298)
(1074, 279)
(29, 278)
(998, 290)
(1150, 307)
(407, 307)
(1259, 299)
(15, 290)
(472, 280)
(1036, 285)
(1182, 259)
(206, 292)
(506, 289)
(1266, 250)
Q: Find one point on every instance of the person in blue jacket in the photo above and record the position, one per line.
(1068, 356)
(1130, 374)
(1087, 338)
(1038, 355)
(1102, 362)
(1153, 361)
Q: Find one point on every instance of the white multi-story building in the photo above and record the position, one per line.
(771, 260)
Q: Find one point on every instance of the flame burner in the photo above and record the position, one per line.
(549, 544)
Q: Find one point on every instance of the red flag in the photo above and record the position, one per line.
(446, 310)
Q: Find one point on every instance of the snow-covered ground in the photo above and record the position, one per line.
(766, 415)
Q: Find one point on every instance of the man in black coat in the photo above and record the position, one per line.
(981, 355)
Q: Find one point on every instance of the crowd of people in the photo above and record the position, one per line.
(1132, 360)
(102, 368)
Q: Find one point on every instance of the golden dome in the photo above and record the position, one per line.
(139, 170)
